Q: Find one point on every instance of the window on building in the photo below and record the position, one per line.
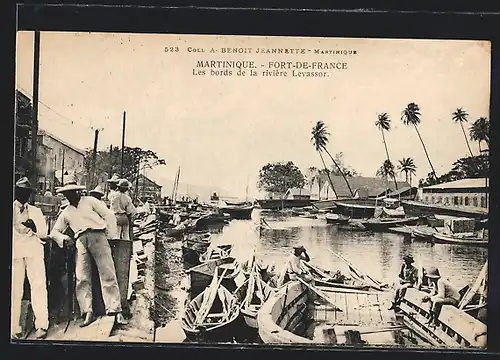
(455, 200)
(426, 199)
(483, 202)
(474, 201)
(446, 200)
(439, 199)
(432, 199)
(466, 201)
(461, 200)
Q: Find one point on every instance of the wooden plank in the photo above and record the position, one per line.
(366, 309)
(462, 323)
(352, 306)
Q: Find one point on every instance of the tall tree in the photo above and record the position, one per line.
(320, 140)
(386, 171)
(407, 166)
(460, 116)
(383, 123)
(346, 170)
(311, 173)
(411, 116)
(279, 177)
(480, 131)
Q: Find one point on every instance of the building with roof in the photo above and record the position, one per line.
(56, 159)
(465, 192)
(147, 188)
(362, 187)
(297, 194)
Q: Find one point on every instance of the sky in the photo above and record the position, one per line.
(222, 129)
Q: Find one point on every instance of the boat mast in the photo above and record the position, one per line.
(246, 193)
(176, 184)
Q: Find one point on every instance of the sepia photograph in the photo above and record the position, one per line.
(174, 188)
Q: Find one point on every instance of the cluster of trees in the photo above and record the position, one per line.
(278, 177)
(108, 162)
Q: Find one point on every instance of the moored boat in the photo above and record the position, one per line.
(418, 208)
(200, 276)
(251, 295)
(383, 224)
(336, 219)
(211, 316)
(354, 318)
(422, 233)
(454, 329)
(216, 252)
(238, 212)
(323, 278)
(470, 239)
(194, 245)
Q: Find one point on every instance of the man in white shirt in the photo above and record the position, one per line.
(113, 187)
(29, 232)
(93, 224)
(121, 205)
(293, 266)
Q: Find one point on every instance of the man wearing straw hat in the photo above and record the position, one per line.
(113, 186)
(97, 193)
(29, 231)
(121, 205)
(408, 277)
(93, 224)
(443, 293)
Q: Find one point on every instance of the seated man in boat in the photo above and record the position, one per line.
(293, 266)
(443, 293)
(408, 277)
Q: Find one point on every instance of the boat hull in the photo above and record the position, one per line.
(416, 208)
(286, 204)
(201, 276)
(337, 221)
(356, 208)
(385, 225)
(239, 213)
(450, 321)
(447, 239)
(324, 204)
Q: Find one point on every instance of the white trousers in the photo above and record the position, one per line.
(34, 268)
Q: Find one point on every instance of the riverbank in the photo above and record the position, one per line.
(169, 296)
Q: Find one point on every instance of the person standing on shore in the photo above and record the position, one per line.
(113, 187)
(92, 224)
(98, 192)
(121, 205)
(29, 230)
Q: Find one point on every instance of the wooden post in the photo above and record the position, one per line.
(34, 108)
(123, 145)
(62, 169)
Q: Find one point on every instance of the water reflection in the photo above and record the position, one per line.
(379, 254)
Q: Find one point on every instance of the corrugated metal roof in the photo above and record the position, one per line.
(372, 186)
(462, 184)
(42, 132)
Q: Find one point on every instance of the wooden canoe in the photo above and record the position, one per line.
(336, 219)
(322, 278)
(249, 310)
(290, 317)
(219, 325)
(422, 234)
(385, 224)
(201, 276)
(455, 328)
(460, 240)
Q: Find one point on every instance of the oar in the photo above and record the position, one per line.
(320, 293)
(377, 284)
(473, 290)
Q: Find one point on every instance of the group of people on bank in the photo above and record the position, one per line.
(91, 224)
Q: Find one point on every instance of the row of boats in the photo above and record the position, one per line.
(230, 300)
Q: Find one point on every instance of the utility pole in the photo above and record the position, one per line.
(62, 169)
(94, 158)
(123, 144)
(34, 108)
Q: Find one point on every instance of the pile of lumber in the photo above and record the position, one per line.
(145, 226)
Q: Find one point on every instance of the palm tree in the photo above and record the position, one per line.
(411, 116)
(480, 131)
(460, 116)
(386, 171)
(407, 166)
(310, 175)
(384, 124)
(320, 139)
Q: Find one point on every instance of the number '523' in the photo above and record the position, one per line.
(171, 49)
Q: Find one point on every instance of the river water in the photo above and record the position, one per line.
(379, 254)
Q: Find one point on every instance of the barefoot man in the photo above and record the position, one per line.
(93, 224)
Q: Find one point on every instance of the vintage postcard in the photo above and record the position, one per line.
(250, 189)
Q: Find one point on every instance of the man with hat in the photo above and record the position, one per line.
(408, 277)
(121, 205)
(98, 192)
(293, 266)
(113, 186)
(29, 230)
(92, 224)
(443, 293)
